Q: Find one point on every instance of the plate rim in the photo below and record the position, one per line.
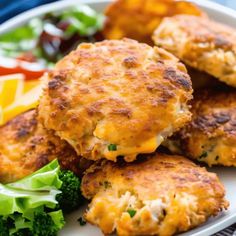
(40, 10)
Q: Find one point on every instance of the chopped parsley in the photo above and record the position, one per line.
(81, 221)
(131, 212)
(112, 147)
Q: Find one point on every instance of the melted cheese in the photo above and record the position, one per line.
(146, 147)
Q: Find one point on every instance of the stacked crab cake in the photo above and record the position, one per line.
(201, 43)
(211, 135)
(112, 101)
(116, 98)
(156, 195)
(26, 146)
(210, 47)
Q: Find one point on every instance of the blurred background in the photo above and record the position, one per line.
(10, 8)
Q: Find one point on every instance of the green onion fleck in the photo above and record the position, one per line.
(107, 184)
(112, 147)
(81, 221)
(131, 212)
(203, 155)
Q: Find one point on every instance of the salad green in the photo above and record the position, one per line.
(49, 38)
(35, 204)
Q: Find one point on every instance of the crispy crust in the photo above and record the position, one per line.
(169, 194)
(201, 43)
(25, 146)
(211, 136)
(137, 19)
(116, 92)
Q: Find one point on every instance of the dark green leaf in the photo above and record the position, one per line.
(112, 147)
(131, 212)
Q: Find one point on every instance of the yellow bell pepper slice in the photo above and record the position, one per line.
(11, 88)
(1, 116)
(26, 102)
(30, 84)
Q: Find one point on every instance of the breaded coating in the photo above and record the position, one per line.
(201, 43)
(116, 98)
(211, 135)
(137, 19)
(158, 195)
(25, 146)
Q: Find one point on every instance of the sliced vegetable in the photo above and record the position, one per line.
(27, 101)
(11, 88)
(30, 84)
(29, 69)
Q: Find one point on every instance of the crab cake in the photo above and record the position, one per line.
(211, 136)
(158, 195)
(201, 43)
(26, 146)
(116, 98)
(137, 19)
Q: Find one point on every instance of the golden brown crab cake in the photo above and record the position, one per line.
(137, 19)
(116, 98)
(211, 136)
(201, 43)
(158, 194)
(25, 146)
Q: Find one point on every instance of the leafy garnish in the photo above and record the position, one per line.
(83, 20)
(112, 147)
(29, 204)
(131, 212)
(50, 38)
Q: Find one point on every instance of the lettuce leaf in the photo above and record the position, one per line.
(20, 201)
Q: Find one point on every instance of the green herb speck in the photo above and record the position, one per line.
(203, 155)
(81, 221)
(107, 184)
(112, 147)
(217, 158)
(131, 212)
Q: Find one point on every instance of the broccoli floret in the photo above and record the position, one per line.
(23, 232)
(6, 224)
(3, 227)
(70, 197)
(47, 218)
(43, 225)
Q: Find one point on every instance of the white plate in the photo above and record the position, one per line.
(227, 175)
